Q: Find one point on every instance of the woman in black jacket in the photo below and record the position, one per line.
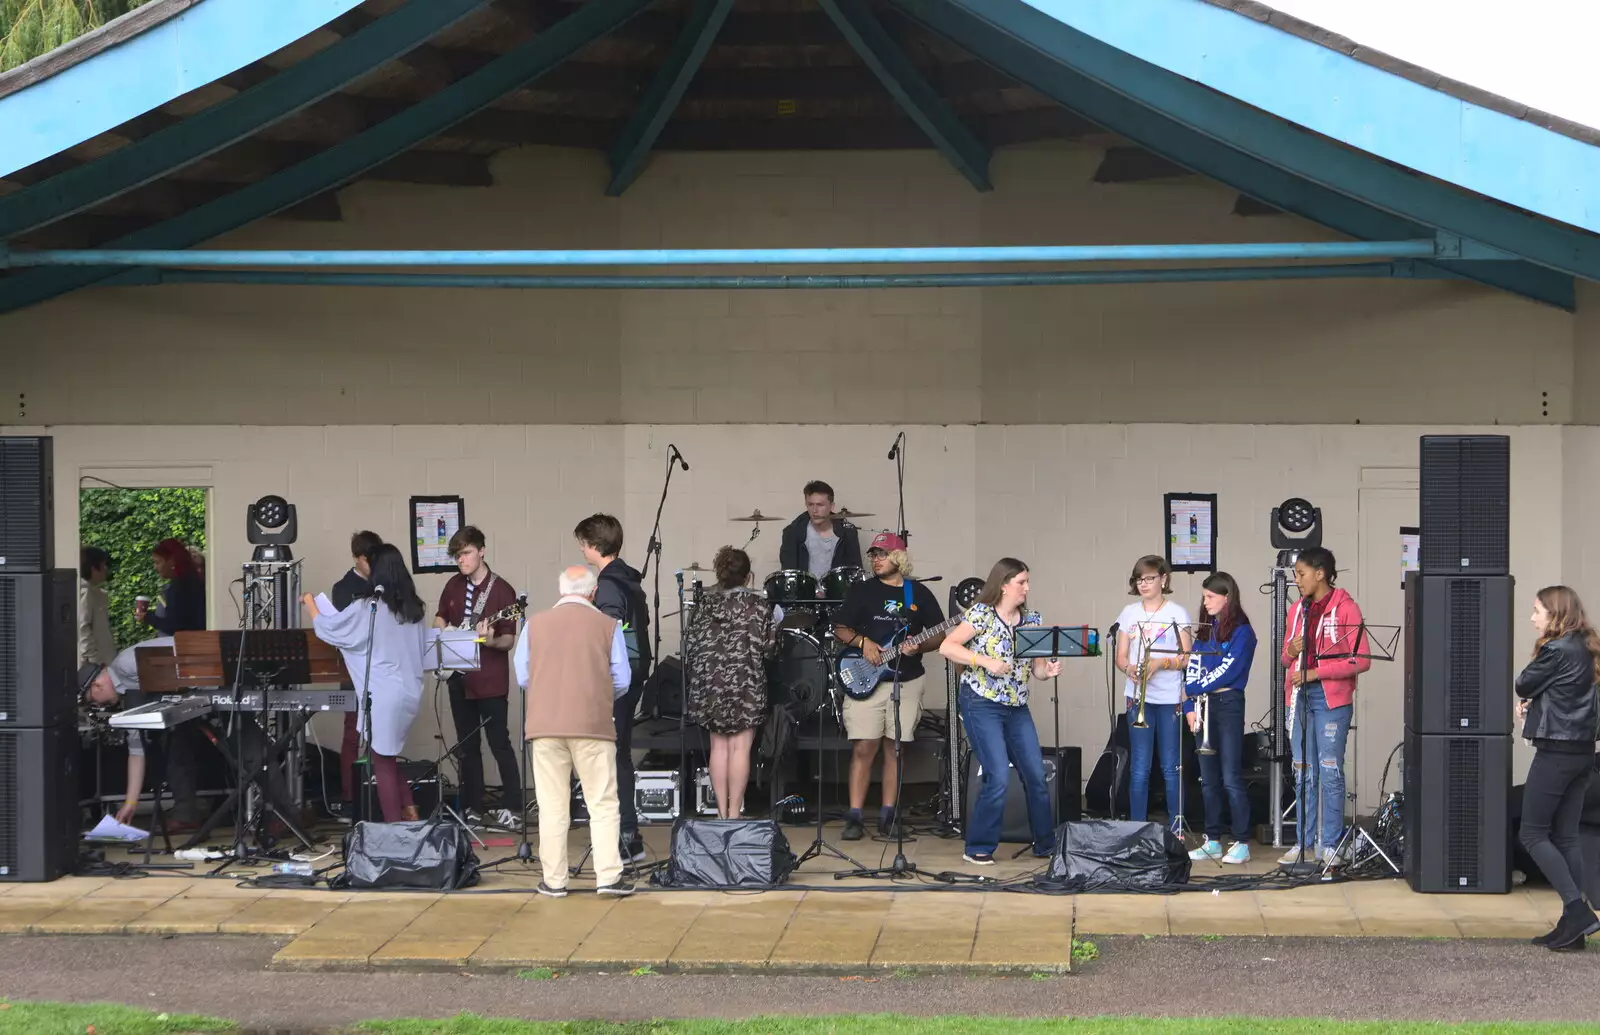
(1561, 716)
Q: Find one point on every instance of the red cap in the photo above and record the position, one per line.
(887, 541)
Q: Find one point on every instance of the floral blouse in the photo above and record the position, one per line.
(995, 639)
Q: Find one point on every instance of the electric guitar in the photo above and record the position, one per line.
(513, 610)
(858, 677)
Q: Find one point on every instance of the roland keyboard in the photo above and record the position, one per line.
(281, 700)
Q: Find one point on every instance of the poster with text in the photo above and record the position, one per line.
(1410, 547)
(1191, 531)
(434, 519)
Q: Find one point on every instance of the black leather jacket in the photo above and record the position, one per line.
(1559, 684)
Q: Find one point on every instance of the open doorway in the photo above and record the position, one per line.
(127, 524)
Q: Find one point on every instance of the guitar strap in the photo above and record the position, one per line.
(480, 600)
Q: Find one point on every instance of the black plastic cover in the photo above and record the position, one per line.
(1104, 853)
(726, 853)
(435, 856)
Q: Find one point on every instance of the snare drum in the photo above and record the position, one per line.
(836, 584)
(790, 588)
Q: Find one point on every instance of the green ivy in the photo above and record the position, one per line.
(127, 523)
(29, 28)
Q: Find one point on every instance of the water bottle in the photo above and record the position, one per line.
(294, 869)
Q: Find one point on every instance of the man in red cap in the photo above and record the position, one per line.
(878, 614)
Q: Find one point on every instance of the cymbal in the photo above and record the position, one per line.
(756, 516)
(847, 514)
(694, 567)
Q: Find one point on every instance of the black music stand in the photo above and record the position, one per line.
(267, 658)
(1053, 642)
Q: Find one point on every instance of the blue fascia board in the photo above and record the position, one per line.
(1475, 148)
(1026, 48)
(208, 41)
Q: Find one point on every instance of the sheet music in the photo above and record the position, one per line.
(325, 606)
(108, 829)
(450, 650)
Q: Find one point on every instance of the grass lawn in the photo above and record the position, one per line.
(101, 1018)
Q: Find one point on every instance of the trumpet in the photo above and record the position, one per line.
(1203, 702)
(1142, 679)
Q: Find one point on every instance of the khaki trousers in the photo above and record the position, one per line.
(555, 759)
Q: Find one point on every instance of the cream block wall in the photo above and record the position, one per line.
(1374, 352)
(1078, 502)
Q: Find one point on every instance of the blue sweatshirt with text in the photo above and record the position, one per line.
(1226, 669)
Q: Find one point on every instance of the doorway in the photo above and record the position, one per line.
(127, 524)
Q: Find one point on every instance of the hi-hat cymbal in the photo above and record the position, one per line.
(756, 516)
(847, 514)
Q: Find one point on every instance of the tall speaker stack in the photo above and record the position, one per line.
(1458, 630)
(38, 658)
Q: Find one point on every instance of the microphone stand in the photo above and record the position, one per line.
(652, 550)
(900, 867)
(369, 784)
(897, 453)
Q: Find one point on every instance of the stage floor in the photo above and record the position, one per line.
(814, 924)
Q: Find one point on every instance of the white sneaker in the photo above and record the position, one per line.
(1211, 850)
(1237, 853)
(505, 819)
(1330, 858)
(1293, 856)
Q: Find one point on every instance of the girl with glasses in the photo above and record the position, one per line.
(1156, 630)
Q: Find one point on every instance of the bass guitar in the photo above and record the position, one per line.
(858, 677)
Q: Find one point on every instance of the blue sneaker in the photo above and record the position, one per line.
(1237, 853)
(1210, 850)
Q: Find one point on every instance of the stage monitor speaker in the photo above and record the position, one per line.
(1063, 775)
(1458, 654)
(27, 505)
(1108, 853)
(1458, 828)
(39, 828)
(38, 648)
(726, 853)
(1465, 505)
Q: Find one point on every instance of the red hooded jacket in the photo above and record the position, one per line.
(1338, 652)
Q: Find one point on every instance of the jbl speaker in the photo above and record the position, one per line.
(38, 648)
(1458, 654)
(1063, 775)
(1465, 505)
(38, 802)
(1458, 827)
(27, 505)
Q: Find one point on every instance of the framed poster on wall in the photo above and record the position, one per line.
(1191, 520)
(434, 519)
(1410, 551)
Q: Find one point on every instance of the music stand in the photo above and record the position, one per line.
(1053, 642)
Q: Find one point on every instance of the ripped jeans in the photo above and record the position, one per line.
(1321, 810)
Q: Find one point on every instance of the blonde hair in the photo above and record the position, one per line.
(901, 561)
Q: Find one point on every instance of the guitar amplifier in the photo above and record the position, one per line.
(1063, 775)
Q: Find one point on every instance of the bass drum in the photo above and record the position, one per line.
(836, 584)
(798, 677)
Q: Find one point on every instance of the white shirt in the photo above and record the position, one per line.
(1162, 629)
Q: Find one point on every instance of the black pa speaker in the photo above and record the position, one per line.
(1063, 775)
(1465, 505)
(38, 802)
(1458, 654)
(38, 648)
(726, 853)
(1458, 827)
(27, 505)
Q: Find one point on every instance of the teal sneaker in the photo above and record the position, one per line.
(1237, 853)
(1210, 850)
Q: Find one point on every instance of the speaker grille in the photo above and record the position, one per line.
(1463, 817)
(10, 818)
(9, 660)
(1465, 505)
(1464, 691)
(25, 504)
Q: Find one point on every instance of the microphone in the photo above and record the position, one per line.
(378, 590)
(894, 450)
(672, 452)
(930, 578)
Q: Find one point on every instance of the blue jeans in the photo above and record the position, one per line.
(1320, 810)
(1001, 733)
(1161, 737)
(1222, 774)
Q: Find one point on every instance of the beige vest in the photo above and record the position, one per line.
(570, 692)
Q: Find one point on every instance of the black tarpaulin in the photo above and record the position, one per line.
(1104, 853)
(436, 856)
(725, 853)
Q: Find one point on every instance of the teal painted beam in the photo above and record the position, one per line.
(207, 41)
(1034, 66)
(633, 146)
(711, 281)
(232, 120)
(213, 258)
(348, 158)
(1284, 145)
(913, 92)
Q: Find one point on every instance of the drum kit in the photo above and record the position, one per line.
(802, 675)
